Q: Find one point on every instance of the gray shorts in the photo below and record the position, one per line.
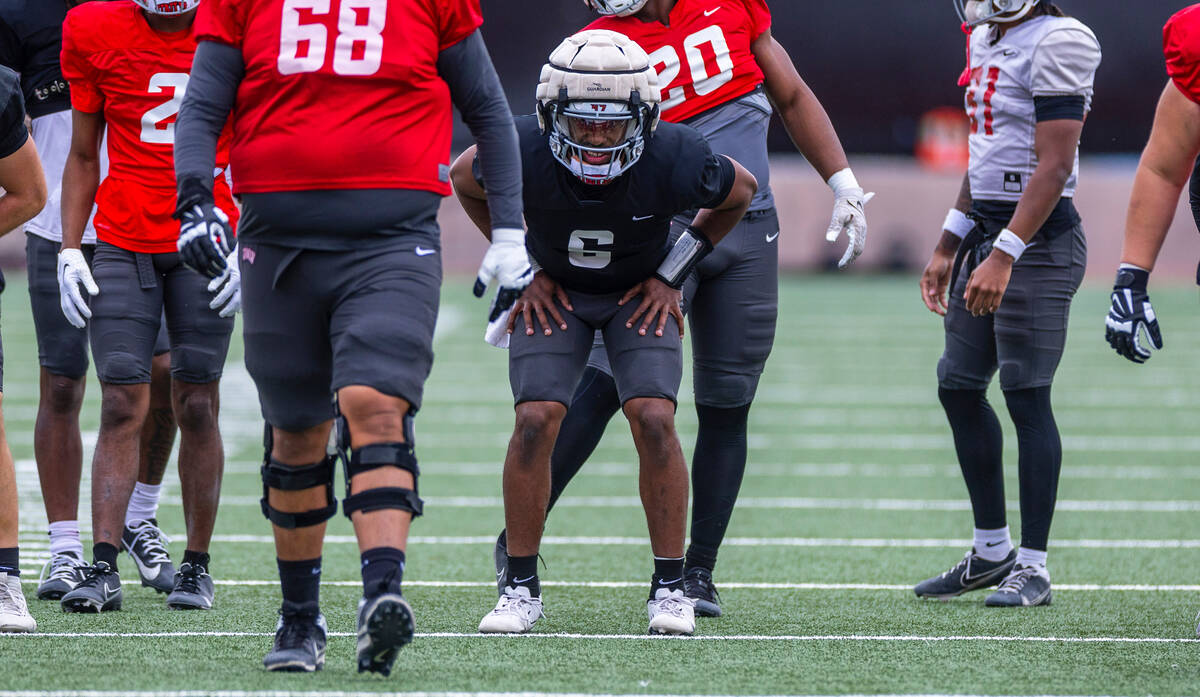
(1024, 339)
(547, 368)
(62, 349)
(317, 321)
(138, 292)
(732, 303)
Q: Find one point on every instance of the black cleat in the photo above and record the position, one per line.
(1025, 586)
(60, 575)
(500, 557)
(385, 625)
(99, 591)
(193, 589)
(147, 547)
(972, 573)
(698, 585)
(299, 641)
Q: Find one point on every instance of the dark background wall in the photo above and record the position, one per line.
(877, 65)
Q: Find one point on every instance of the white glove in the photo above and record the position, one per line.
(849, 215)
(73, 270)
(228, 301)
(507, 263)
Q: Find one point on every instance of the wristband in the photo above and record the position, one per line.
(689, 249)
(958, 224)
(534, 266)
(1009, 243)
(508, 235)
(191, 191)
(1132, 277)
(843, 183)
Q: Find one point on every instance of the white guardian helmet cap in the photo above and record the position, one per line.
(976, 12)
(598, 104)
(167, 7)
(618, 8)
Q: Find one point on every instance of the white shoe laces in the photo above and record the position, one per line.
(61, 567)
(674, 605)
(1017, 579)
(153, 541)
(514, 604)
(12, 600)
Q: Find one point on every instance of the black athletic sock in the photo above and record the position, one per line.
(301, 583)
(718, 464)
(593, 406)
(522, 571)
(102, 551)
(1040, 449)
(382, 571)
(195, 558)
(10, 561)
(979, 443)
(668, 573)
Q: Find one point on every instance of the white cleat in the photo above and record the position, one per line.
(671, 613)
(14, 613)
(515, 613)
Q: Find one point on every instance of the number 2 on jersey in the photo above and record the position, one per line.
(153, 129)
(357, 50)
(702, 82)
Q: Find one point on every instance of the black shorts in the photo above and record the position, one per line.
(62, 349)
(316, 321)
(547, 368)
(136, 292)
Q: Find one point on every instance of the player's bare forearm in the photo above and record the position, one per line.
(715, 223)
(964, 200)
(804, 118)
(1055, 142)
(1161, 175)
(24, 186)
(470, 194)
(81, 176)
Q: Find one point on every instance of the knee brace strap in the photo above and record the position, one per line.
(370, 457)
(382, 498)
(277, 475)
(377, 455)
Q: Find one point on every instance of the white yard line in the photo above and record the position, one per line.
(339, 693)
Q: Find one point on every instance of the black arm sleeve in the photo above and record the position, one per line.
(475, 88)
(217, 71)
(1070, 107)
(13, 132)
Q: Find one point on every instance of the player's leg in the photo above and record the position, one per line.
(57, 445)
(284, 315)
(199, 339)
(964, 371)
(542, 370)
(125, 320)
(592, 406)
(14, 613)
(732, 317)
(647, 370)
(1031, 332)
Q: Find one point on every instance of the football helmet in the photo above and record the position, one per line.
(167, 7)
(976, 12)
(598, 103)
(619, 8)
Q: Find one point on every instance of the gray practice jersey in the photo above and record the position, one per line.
(738, 128)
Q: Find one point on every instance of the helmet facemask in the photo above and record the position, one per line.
(167, 8)
(976, 12)
(616, 8)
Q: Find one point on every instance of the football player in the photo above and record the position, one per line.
(601, 188)
(1169, 157)
(732, 300)
(24, 195)
(127, 63)
(30, 43)
(1012, 254)
(341, 151)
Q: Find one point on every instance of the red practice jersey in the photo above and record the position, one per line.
(340, 94)
(1181, 46)
(703, 59)
(117, 65)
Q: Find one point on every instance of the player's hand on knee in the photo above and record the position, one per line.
(507, 263)
(659, 302)
(73, 271)
(228, 288)
(985, 288)
(849, 215)
(935, 281)
(539, 299)
(205, 236)
(1131, 314)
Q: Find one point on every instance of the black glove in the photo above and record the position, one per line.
(205, 236)
(1131, 312)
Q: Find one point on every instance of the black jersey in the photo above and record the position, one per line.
(605, 239)
(13, 132)
(30, 43)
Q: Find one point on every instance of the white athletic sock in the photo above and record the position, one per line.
(143, 503)
(64, 537)
(1032, 557)
(993, 545)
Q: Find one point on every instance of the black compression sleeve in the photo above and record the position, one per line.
(13, 132)
(216, 72)
(1055, 108)
(475, 88)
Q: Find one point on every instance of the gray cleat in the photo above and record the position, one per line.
(99, 591)
(147, 547)
(299, 641)
(971, 573)
(1025, 586)
(193, 589)
(60, 575)
(385, 625)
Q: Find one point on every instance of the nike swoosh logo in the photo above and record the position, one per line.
(109, 591)
(522, 580)
(149, 573)
(500, 574)
(772, 238)
(638, 218)
(1010, 52)
(992, 544)
(710, 13)
(423, 252)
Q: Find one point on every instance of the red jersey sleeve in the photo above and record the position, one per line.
(1181, 47)
(77, 68)
(456, 20)
(220, 21)
(760, 17)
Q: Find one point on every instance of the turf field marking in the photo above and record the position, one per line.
(294, 693)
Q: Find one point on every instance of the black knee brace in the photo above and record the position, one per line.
(374, 456)
(276, 475)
